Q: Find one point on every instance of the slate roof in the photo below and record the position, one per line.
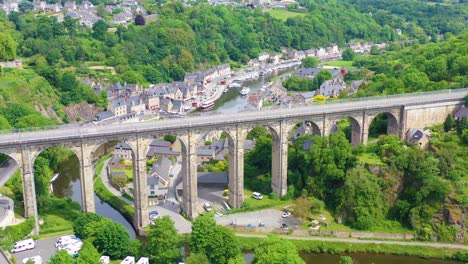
(307, 71)
(104, 115)
(205, 152)
(161, 167)
(213, 177)
(462, 112)
(152, 180)
(416, 134)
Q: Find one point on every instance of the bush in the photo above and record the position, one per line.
(13, 233)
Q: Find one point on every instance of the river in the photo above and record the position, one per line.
(68, 185)
(233, 102)
(362, 258)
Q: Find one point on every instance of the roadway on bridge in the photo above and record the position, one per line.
(340, 107)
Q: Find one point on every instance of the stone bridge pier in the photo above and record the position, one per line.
(403, 112)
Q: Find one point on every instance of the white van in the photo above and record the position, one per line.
(143, 260)
(23, 245)
(71, 244)
(128, 260)
(257, 196)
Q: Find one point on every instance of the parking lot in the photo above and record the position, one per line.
(270, 217)
(44, 248)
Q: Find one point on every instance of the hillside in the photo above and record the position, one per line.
(31, 92)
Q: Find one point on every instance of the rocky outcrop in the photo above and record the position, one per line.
(82, 112)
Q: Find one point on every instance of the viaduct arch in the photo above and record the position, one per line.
(404, 112)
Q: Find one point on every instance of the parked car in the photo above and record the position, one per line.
(23, 245)
(257, 196)
(207, 206)
(284, 226)
(286, 214)
(35, 260)
(153, 215)
(143, 260)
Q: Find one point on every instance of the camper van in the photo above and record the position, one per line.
(143, 260)
(257, 196)
(128, 260)
(105, 259)
(23, 245)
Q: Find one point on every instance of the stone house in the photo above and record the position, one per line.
(461, 113)
(303, 98)
(135, 104)
(123, 151)
(418, 136)
(332, 88)
(306, 72)
(205, 154)
(117, 106)
(263, 57)
(159, 176)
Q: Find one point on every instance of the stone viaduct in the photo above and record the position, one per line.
(403, 112)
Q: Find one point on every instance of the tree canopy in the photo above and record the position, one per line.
(275, 250)
(163, 241)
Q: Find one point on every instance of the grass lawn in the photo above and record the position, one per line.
(283, 14)
(128, 173)
(338, 63)
(251, 204)
(55, 225)
(371, 159)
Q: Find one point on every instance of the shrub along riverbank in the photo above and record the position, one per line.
(107, 196)
(313, 246)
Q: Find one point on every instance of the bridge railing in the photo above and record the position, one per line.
(116, 128)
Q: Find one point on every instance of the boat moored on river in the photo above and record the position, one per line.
(207, 104)
(245, 91)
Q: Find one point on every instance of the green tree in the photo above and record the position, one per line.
(217, 242)
(163, 241)
(88, 254)
(25, 6)
(348, 54)
(170, 138)
(7, 47)
(202, 230)
(275, 250)
(34, 120)
(83, 221)
(361, 200)
(346, 260)
(196, 258)
(112, 239)
(449, 123)
(320, 78)
(4, 125)
(310, 62)
(61, 257)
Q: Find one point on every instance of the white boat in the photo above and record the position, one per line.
(235, 85)
(207, 104)
(245, 91)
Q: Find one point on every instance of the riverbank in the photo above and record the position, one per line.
(333, 246)
(125, 209)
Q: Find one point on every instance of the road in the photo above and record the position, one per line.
(65, 134)
(44, 248)
(6, 170)
(359, 241)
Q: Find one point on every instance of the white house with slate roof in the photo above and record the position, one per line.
(158, 178)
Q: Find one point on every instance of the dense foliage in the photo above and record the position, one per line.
(163, 241)
(61, 257)
(218, 243)
(417, 68)
(109, 238)
(275, 250)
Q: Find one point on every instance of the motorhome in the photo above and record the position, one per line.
(128, 260)
(143, 260)
(23, 245)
